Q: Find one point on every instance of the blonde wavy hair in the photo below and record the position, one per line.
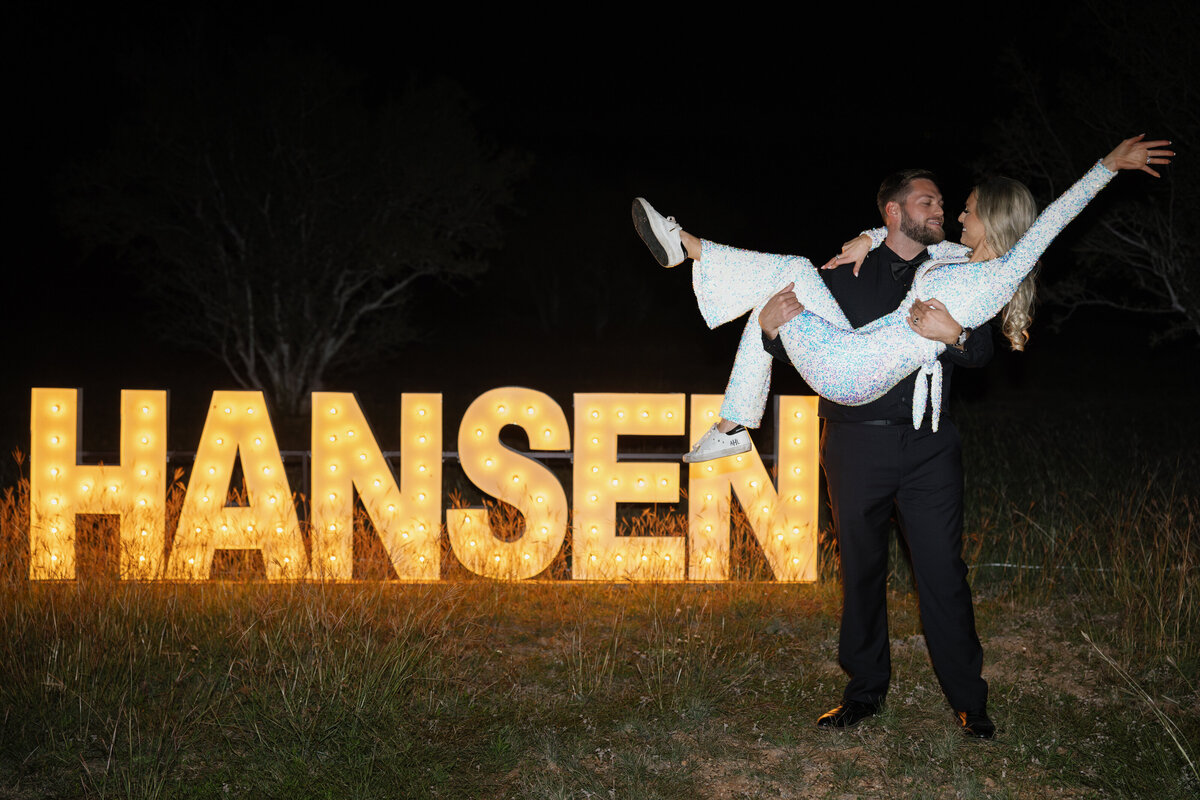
(1006, 209)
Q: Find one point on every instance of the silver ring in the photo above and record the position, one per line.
(1147, 158)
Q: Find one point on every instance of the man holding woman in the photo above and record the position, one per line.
(867, 343)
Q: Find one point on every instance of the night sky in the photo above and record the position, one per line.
(761, 129)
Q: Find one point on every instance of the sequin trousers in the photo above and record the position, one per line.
(855, 366)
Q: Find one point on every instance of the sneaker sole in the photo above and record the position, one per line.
(732, 451)
(645, 231)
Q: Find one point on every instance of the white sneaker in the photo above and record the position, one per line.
(714, 444)
(661, 234)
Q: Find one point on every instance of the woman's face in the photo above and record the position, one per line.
(973, 234)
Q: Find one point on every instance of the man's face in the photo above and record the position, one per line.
(921, 214)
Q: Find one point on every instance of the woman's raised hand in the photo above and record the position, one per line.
(853, 252)
(1136, 153)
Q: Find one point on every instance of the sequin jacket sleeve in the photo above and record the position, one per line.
(973, 292)
(942, 251)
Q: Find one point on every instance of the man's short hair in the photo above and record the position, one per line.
(896, 187)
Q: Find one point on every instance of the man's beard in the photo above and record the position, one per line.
(922, 234)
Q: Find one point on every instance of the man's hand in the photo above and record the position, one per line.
(853, 252)
(931, 320)
(778, 310)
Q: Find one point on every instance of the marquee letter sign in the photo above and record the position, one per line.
(60, 488)
(601, 482)
(507, 475)
(237, 428)
(346, 457)
(259, 511)
(783, 520)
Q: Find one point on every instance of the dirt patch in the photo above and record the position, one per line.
(1033, 650)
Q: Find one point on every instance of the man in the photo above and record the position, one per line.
(874, 460)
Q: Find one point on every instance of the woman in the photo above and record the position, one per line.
(971, 282)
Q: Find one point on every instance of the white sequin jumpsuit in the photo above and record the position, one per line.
(855, 366)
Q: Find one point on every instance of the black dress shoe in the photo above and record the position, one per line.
(976, 724)
(848, 714)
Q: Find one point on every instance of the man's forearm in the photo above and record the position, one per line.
(976, 351)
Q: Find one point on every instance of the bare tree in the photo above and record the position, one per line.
(285, 222)
(1140, 252)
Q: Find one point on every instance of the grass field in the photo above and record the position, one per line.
(1085, 553)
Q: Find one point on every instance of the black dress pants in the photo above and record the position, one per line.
(871, 469)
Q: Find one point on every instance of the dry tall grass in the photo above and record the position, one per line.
(473, 687)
